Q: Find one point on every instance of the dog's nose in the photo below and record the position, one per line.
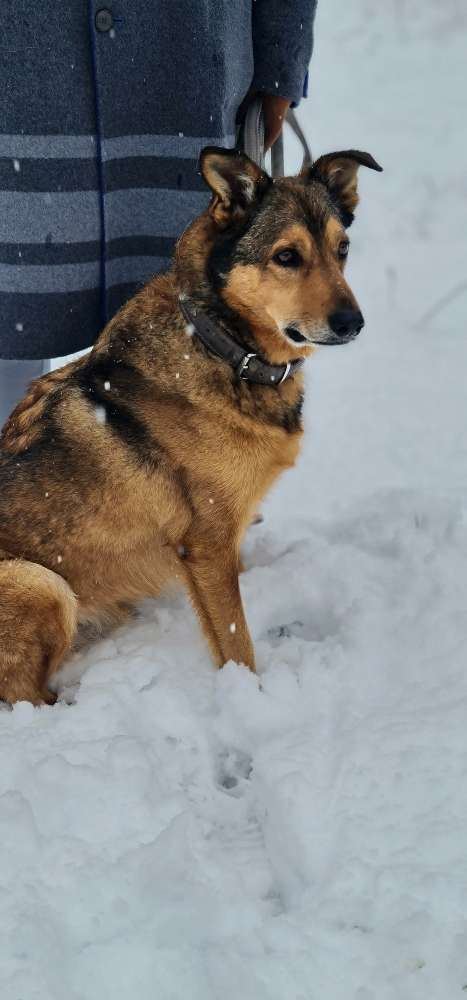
(345, 322)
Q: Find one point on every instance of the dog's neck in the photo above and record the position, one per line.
(247, 365)
(225, 318)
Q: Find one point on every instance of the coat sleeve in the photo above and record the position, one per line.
(282, 45)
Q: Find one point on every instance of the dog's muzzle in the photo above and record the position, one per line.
(342, 326)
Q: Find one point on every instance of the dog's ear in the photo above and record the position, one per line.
(338, 171)
(236, 182)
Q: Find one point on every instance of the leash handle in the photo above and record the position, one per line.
(251, 138)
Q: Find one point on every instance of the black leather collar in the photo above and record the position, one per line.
(247, 367)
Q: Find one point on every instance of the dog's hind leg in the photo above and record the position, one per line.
(38, 618)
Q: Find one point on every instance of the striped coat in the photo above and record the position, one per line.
(103, 111)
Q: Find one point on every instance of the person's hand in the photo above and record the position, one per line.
(274, 110)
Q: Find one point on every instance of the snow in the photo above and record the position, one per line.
(100, 414)
(171, 831)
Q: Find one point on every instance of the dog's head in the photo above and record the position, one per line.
(274, 251)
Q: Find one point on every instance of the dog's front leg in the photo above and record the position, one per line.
(211, 572)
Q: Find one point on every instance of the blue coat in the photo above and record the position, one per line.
(103, 111)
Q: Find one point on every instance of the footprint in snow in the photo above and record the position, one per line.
(234, 768)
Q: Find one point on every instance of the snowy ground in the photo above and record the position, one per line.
(177, 833)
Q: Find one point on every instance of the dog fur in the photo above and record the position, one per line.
(144, 462)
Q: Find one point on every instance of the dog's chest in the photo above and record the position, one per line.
(248, 465)
(228, 458)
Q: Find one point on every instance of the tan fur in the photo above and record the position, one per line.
(38, 616)
(95, 516)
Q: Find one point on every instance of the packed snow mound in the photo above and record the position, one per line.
(177, 831)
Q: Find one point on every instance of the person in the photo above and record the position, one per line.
(103, 112)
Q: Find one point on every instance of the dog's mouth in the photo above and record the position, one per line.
(293, 334)
(326, 338)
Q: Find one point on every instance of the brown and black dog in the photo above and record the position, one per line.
(146, 460)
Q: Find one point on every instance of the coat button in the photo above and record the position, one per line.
(103, 19)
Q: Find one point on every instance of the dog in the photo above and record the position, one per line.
(144, 462)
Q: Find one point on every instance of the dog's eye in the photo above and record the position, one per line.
(343, 248)
(287, 258)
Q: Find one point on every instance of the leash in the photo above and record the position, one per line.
(248, 367)
(251, 139)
